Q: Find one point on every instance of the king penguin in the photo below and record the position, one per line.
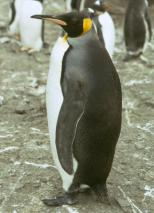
(137, 26)
(31, 32)
(84, 104)
(102, 20)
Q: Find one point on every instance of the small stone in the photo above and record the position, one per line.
(19, 187)
(149, 175)
(123, 203)
(1, 199)
(20, 111)
(139, 146)
(40, 90)
(1, 100)
(128, 183)
(4, 40)
(44, 180)
(21, 108)
(37, 184)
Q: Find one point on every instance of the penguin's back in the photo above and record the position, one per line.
(135, 27)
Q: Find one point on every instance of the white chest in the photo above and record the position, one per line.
(108, 31)
(54, 99)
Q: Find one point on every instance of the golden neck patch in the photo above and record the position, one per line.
(65, 37)
(87, 25)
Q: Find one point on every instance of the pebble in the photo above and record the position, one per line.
(139, 146)
(20, 110)
(149, 176)
(4, 40)
(1, 100)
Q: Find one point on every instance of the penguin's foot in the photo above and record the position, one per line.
(127, 58)
(130, 57)
(101, 193)
(24, 49)
(66, 199)
(143, 59)
(151, 46)
(46, 45)
(17, 36)
(31, 50)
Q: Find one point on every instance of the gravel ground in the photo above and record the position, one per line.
(27, 172)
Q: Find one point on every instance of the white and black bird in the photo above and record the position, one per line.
(102, 19)
(84, 105)
(137, 28)
(30, 31)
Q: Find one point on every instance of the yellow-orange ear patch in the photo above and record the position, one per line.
(87, 24)
(65, 38)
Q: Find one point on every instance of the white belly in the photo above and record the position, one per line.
(68, 5)
(54, 100)
(30, 29)
(108, 31)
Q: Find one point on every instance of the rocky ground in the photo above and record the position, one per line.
(27, 172)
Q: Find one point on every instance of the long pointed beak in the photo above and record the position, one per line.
(50, 18)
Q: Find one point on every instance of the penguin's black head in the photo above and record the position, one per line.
(74, 23)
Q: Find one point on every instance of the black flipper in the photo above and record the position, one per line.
(69, 116)
(13, 12)
(42, 32)
(148, 20)
(99, 31)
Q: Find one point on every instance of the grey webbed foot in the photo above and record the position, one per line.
(101, 193)
(131, 57)
(144, 60)
(66, 199)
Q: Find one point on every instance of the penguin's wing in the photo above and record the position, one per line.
(148, 20)
(98, 28)
(13, 12)
(42, 32)
(68, 120)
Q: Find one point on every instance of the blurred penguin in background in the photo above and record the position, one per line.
(137, 28)
(102, 20)
(30, 31)
(150, 2)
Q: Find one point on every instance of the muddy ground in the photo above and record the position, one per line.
(27, 172)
